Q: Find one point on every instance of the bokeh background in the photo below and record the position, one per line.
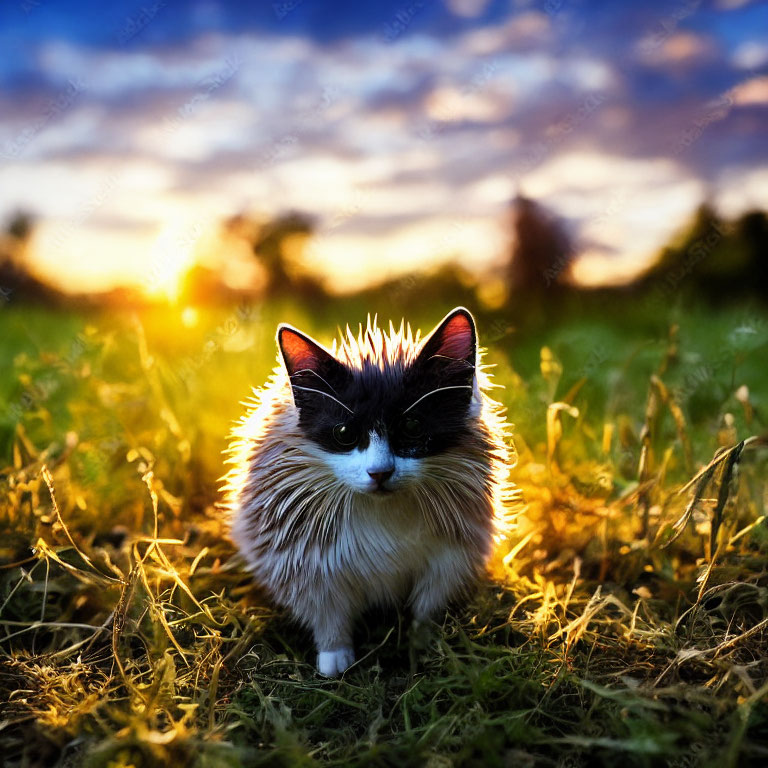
(590, 179)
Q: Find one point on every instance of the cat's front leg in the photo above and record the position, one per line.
(333, 663)
(446, 573)
(332, 630)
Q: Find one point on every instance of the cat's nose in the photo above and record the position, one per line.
(381, 477)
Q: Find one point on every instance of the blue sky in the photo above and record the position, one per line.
(132, 128)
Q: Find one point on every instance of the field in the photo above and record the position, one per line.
(130, 636)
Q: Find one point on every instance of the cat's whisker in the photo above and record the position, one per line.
(315, 373)
(320, 392)
(435, 391)
(466, 363)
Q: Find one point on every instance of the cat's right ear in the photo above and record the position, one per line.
(307, 363)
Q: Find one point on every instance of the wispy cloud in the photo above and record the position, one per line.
(619, 119)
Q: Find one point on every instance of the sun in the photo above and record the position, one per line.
(172, 254)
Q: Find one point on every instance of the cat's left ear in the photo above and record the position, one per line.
(454, 339)
(306, 360)
(303, 356)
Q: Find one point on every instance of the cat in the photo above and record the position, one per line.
(373, 473)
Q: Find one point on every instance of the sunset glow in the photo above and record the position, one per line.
(172, 254)
(404, 145)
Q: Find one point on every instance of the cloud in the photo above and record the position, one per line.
(742, 190)
(467, 8)
(751, 54)
(732, 5)
(676, 49)
(608, 197)
(753, 91)
(388, 142)
(525, 31)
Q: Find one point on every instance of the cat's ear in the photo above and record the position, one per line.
(300, 352)
(454, 339)
(310, 367)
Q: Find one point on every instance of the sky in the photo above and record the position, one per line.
(131, 129)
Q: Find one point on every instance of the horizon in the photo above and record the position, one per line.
(132, 132)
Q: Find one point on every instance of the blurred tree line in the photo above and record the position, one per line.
(711, 259)
(714, 259)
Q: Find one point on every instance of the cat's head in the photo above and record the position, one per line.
(385, 402)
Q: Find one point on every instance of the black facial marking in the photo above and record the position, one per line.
(421, 408)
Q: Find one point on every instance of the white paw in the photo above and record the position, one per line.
(333, 663)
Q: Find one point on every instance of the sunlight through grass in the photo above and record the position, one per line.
(625, 616)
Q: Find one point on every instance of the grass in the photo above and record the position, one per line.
(625, 619)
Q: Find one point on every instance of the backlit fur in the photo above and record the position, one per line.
(323, 546)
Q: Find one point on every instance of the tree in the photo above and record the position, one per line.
(714, 259)
(751, 231)
(20, 226)
(542, 250)
(279, 246)
(16, 280)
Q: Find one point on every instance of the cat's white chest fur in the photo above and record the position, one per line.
(384, 544)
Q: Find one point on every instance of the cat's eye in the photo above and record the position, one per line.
(345, 434)
(412, 427)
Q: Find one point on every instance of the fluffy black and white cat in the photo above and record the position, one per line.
(371, 473)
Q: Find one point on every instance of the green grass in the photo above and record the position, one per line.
(129, 635)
